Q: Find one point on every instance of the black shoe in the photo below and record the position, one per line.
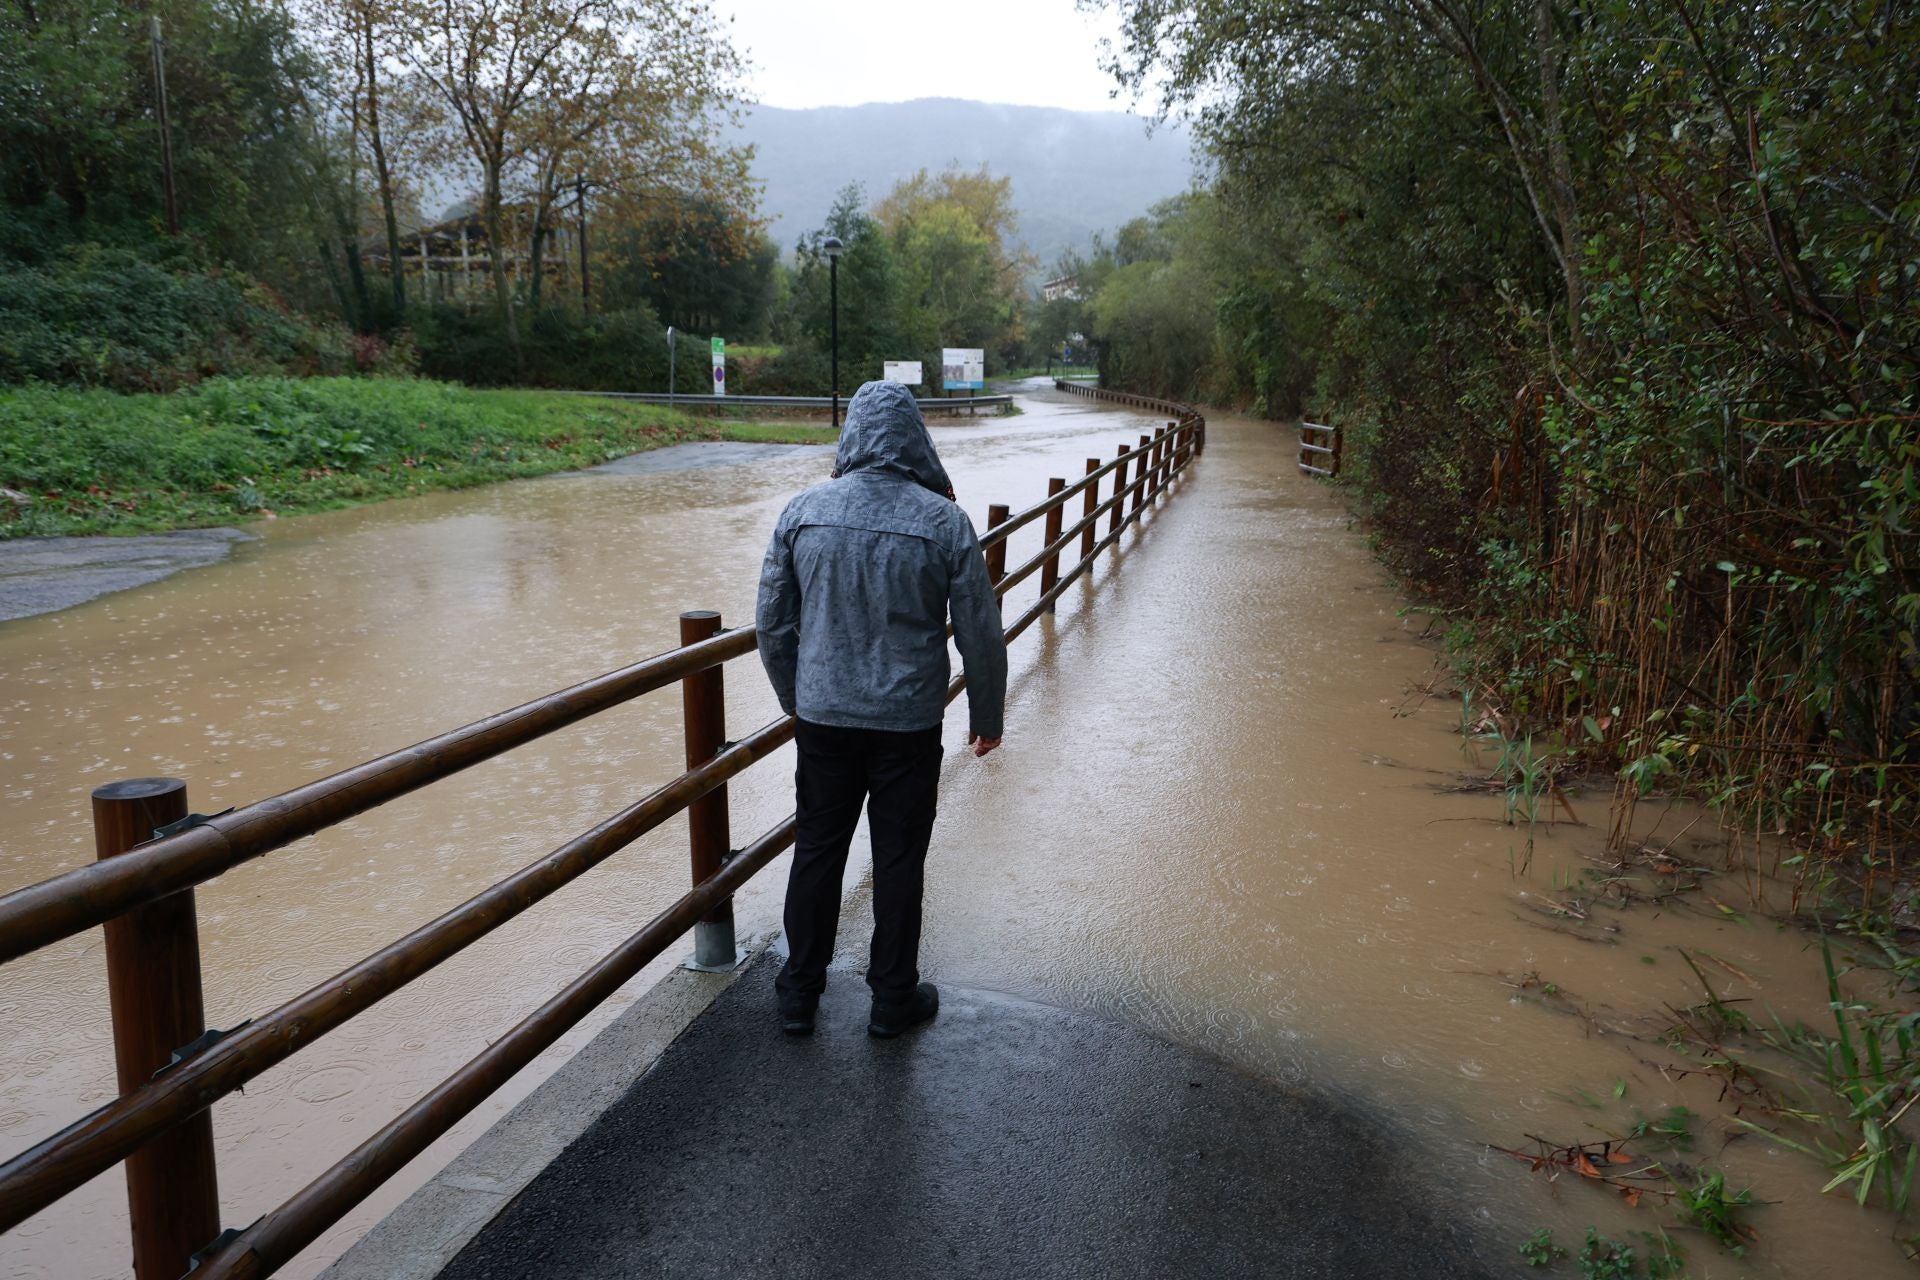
(796, 1012)
(889, 1019)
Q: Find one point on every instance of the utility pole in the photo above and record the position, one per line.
(580, 195)
(166, 129)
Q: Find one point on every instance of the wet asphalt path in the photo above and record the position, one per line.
(1005, 1139)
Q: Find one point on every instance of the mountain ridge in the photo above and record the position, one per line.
(1075, 173)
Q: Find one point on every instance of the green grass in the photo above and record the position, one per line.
(233, 450)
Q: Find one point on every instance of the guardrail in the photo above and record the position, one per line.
(933, 404)
(172, 1069)
(1127, 398)
(1328, 448)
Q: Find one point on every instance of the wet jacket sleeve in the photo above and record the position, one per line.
(777, 617)
(983, 646)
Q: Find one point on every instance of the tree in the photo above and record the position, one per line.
(361, 41)
(986, 200)
(699, 265)
(538, 90)
(869, 287)
(79, 153)
(960, 277)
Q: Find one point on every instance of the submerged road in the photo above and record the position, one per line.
(1224, 819)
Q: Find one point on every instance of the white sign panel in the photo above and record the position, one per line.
(719, 366)
(905, 371)
(963, 369)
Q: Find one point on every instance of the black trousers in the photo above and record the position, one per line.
(897, 777)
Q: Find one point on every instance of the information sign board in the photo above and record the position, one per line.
(903, 371)
(963, 369)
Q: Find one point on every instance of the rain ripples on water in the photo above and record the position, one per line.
(1208, 821)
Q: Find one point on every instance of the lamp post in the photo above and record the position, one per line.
(670, 370)
(833, 249)
(580, 199)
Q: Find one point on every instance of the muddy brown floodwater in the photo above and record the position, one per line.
(1210, 819)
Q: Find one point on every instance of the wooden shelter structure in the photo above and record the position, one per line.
(447, 261)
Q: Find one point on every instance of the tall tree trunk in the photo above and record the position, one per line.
(497, 263)
(361, 311)
(383, 174)
(538, 272)
(1560, 171)
(332, 270)
(1454, 28)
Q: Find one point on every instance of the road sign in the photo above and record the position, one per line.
(719, 366)
(963, 369)
(903, 371)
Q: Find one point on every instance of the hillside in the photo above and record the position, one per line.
(1074, 172)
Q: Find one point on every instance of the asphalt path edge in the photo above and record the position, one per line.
(430, 1227)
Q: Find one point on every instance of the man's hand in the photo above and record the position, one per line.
(982, 745)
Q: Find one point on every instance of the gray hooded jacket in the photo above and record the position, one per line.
(860, 576)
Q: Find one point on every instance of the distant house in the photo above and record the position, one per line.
(1062, 287)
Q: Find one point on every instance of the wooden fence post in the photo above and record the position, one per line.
(1050, 572)
(1092, 502)
(153, 987)
(703, 699)
(997, 553)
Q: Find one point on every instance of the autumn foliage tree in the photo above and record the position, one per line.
(537, 93)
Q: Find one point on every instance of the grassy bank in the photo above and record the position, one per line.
(777, 432)
(240, 449)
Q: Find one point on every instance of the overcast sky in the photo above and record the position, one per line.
(814, 53)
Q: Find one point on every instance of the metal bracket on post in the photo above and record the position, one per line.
(194, 1048)
(215, 1245)
(714, 948)
(187, 823)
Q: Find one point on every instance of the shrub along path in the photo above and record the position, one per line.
(234, 450)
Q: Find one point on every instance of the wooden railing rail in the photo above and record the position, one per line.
(1327, 448)
(76, 900)
(149, 883)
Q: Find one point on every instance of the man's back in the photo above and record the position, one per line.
(861, 575)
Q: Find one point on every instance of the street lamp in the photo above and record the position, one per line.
(833, 249)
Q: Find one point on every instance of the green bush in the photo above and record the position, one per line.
(798, 369)
(108, 318)
(613, 351)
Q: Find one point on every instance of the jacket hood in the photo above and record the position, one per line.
(885, 432)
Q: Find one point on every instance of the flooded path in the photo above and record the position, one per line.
(1208, 821)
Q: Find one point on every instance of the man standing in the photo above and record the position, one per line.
(854, 597)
